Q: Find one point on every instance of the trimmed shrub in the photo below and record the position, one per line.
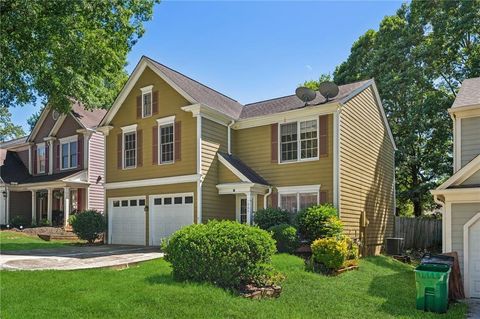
(353, 249)
(88, 225)
(18, 221)
(319, 222)
(268, 217)
(286, 237)
(331, 252)
(225, 253)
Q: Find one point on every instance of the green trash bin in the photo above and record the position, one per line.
(432, 287)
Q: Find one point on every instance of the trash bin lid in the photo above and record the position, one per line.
(437, 259)
(433, 268)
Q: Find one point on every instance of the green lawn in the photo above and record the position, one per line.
(10, 240)
(382, 288)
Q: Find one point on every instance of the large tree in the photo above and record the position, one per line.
(418, 58)
(8, 130)
(58, 50)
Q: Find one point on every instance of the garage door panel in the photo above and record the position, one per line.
(474, 259)
(127, 222)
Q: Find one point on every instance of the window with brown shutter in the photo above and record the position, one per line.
(47, 159)
(80, 151)
(155, 102)
(155, 145)
(34, 163)
(139, 107)
(178, 138)
(274, 142)
(57, 155)
(139, 148)
(323, 197)
(323, 135)
(119, 151)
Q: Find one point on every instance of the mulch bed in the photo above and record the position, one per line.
(34, 231)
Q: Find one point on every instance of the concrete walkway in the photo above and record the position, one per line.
(81, 257)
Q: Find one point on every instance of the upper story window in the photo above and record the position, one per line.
(299, 141)
(147, 101)
(69, 152)
(166, 133)
(41, 158)
(129, 146)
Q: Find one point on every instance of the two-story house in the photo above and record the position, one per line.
(459, 196)
(56, 170)
(179, 152)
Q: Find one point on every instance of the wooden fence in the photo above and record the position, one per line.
(419, 232)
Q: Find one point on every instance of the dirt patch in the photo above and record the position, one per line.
(46, 231)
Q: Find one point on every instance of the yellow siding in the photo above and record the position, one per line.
(225, 175)
(366, 172)
(156, 190)
(252, 146)
(169, 103)
(214, 139)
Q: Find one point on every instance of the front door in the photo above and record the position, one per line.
(241, 208)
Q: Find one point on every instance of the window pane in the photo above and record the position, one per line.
(124, 203)
(177, 200)
(116, 203)
(289, 202)
(147, 104)
(141, 202)
(308, 199)
(129, 149)
(308, 139)
(243, 210)
(133, 202)
(157, 201)
(73, 154)
(288, 140)
(41, 159)
(65, 155)
(166, 143)
(167, 201)
(188, 199)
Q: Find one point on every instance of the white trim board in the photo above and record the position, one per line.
(154, 181)
(463, 174)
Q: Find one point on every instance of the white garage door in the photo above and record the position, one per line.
(126, 221)
(169, 213)
(3, 208)
(474, 259)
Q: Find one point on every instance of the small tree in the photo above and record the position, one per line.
(319, 222)
(88, 225)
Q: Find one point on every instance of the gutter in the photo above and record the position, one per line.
(266, 196)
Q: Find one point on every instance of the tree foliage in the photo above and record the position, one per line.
(418, 58)
(313, 84)
(8, 130)
(58, 50)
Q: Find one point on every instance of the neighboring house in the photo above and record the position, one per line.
(459, 196)
(179, 152)
(56, 170)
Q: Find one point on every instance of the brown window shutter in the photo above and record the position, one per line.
(57, 155)
(323, 197)
(178, 138)
(274, 140)
(139, 148)
(119, 151)
(80, 151)
(155, 145)
(155, 102)
(34, 163)
(323, 136)
(47, 159)
(139, 107)
(80, 199)
(274, 200)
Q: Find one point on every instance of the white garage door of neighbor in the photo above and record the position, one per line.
(169, 213)
(3, 208)
(126, 221)
(474, 259)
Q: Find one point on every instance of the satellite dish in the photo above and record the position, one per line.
(329, 90)
(305, 94)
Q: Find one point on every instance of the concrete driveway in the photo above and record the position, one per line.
(79, 257)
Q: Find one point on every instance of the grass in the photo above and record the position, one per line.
(10, 240)
(381, 288)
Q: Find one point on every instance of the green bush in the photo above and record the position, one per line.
(353, 249)
(268, 217)
(18, 221)
(331, 252)
(88, 225)
(44, 223)
(286, 237)
(225, 253)
(319, 222)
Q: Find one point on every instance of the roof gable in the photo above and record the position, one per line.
(240, 169)
(469, 93)
(462, 175)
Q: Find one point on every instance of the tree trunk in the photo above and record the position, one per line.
(417, 207)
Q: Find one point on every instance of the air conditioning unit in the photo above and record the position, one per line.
(394, 246)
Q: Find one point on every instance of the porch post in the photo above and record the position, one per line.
(34, 206)
(49, 205)
(249, 208)
(7, 205)
(66, 204)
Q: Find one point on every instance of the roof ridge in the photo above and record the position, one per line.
(204, 85)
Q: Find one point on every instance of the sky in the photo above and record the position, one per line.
(251, 51)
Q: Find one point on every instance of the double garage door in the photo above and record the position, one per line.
(167, 214)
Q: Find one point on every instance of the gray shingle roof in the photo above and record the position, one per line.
(292, 102)
(202, 93)
(243, 168)
(88, 118)
(469, 93)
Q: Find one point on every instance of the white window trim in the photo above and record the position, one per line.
(297, 190)
(67, 140)
(126, 130)
(162, 122)
(299, 144)
(147, 90)
(41, 145)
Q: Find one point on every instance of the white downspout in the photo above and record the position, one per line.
(266, 196)
(230, 137)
